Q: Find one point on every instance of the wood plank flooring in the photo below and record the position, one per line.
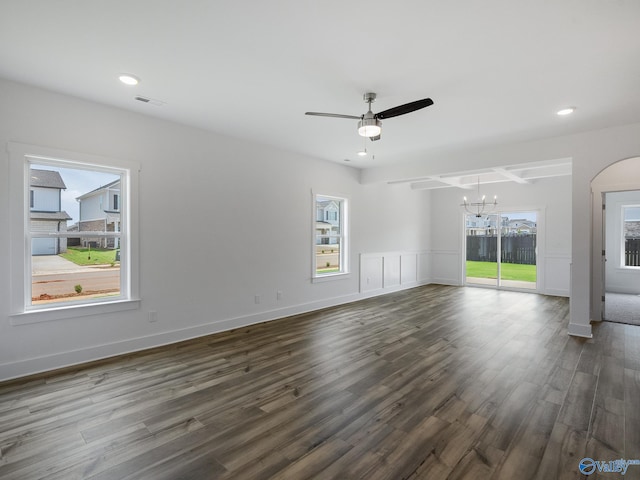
(431, 383)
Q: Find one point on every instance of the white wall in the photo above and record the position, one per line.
(550, 197)
(202, 248)
(618, 278)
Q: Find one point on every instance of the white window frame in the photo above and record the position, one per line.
(623, 266)
(21, 156)
(344, 238)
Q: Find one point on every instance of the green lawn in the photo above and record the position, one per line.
(84, 256)
(509, 271)
(328, 270)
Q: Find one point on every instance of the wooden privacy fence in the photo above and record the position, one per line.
(514, 249)
(632, 252)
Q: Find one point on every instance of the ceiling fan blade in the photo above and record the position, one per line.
(373, 139)
(334, 115)
(406, 108)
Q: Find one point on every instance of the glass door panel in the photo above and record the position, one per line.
(482, 249)
(518, 235)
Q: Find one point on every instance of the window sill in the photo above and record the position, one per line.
(330, 277)
(72, 311)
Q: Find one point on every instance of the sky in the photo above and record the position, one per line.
(78, 183)
(632, 214)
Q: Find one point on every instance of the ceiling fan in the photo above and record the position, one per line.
(369, 124)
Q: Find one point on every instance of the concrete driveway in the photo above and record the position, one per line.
(54, 279)
(53, 264)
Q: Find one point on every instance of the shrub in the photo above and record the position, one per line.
(78, 288)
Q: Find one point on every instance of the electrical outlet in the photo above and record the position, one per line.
(153, 316)
(257, 299)
(279, 295)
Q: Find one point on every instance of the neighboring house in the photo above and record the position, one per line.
(519, 226)
(100, 212)
(481, 226)
(46, 214)
(327, 221)
(632, 229)
(486, 226)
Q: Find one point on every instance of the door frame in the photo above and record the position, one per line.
(539, 251)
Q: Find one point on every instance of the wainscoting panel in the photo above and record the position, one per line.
(556, 275)
(424, 268)
(445, 267)
(371, 273)
(393, 271)
(408, 268)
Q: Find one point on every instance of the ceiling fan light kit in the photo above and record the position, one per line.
(369, 127)
(369, 124)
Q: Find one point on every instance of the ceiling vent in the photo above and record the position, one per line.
(152, 101)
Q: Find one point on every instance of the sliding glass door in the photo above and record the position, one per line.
(500, 250)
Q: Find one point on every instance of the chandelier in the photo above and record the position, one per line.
(480, 206)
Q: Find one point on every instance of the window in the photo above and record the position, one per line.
(330, 246)
(631, 235)
(71, 256)
(115, 202)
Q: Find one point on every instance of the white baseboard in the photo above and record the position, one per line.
(579, 330)
(556, 292)
(446, 281)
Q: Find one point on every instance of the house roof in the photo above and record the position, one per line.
(95, 190)
(35, 215)
(326, 203)
(46, 179)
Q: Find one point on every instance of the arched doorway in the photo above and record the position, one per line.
(612, 191)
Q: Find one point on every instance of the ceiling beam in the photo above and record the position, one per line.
(434, 182)
(511, 175)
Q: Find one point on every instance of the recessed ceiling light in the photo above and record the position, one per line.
(566, 111)
(362, 153)
(129, 79)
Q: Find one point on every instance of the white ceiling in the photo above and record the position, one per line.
(497, 70)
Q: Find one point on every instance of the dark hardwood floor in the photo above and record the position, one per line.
(431, 383)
